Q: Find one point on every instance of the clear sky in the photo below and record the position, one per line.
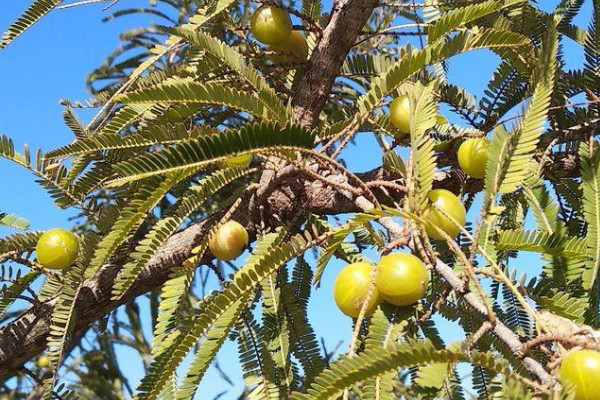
(51, 61)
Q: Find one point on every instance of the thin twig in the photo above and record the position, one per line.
(84, 3)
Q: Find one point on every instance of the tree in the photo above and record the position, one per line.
(150, 177)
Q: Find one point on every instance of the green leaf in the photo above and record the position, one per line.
(198, 152)
(154, 135)
(373, 362)
(541, 242)
(34, 13)
(438, 51)
(270, 255)
(9, 293)
(187, 204)
(237, 62)
(304, 343)
(208, 350)
(14, 221)
(460, 17)
(527, 136)
(312, 8)
(209, 94)
(589, 154)
(62, 324)
(132, 216)
(422, 155)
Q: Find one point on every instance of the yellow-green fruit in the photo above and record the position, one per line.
(229, 241)
(43, 362)
(400, 113)
(580, 369)
(292, 51)
(449, 204)
(401, 278)
(472, 157)
(351, 287)
(57, 248)
(242, 160)
(271, 25)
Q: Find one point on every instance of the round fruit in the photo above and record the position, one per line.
(229, 241)
(293, 50)
(450, 205)
(472, 157)
(242, 160)
(400, 113)
(581, 369)
(271, 25)
(351, 287)
(43, 362)
(57, 248)
(401, 278)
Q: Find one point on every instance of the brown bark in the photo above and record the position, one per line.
(339, 36)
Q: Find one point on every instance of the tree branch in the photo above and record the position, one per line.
(346, 23)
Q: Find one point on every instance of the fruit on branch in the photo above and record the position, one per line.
(271, 25)
(351, 287)
(472, 157)
(43, 362)
(580, 369)
(445, 212)
(401, 278)
(293, 50)
(400, 113)
(229, 241)
(57, 248)
(242, 161)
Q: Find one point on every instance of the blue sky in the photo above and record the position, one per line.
(51, 61)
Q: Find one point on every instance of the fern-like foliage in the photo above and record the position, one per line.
(463, 16)
(198, 124)
(13, 221)
(32, 14)
(526, 138)
(422, 157)
(590, 179)
(196, 153)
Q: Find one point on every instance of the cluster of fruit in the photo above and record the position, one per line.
(401, 279)
(272, 26)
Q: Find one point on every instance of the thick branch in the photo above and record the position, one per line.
(328, 57)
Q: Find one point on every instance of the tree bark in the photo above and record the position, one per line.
(339, 36)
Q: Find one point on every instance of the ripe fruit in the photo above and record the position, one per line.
(242, 160)
(451, 205)
(43, 362)
(581, 369)
(472, 157)
(57, 248)
(229, 241)
(293, 50)
(271, 25)
(400, 113)
(401, 278)
(351, 287)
